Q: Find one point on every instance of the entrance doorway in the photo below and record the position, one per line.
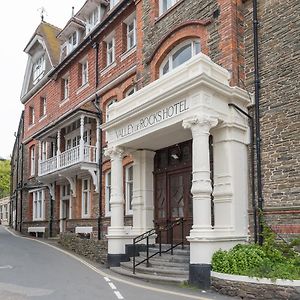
(173, 180)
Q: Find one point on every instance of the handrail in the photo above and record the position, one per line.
(158, 231)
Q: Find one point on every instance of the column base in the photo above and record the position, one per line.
(114, 260)
(199, 275)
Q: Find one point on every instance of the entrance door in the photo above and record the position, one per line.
(173, 198)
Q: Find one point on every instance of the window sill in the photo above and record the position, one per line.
(157, 19)
(128, 53)
(108, 68)
(30, 126)
(36, 220)
(83, 87)
(64, 101)
(42, 118)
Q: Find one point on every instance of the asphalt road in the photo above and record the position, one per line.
(33, 269)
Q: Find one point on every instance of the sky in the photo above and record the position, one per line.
(18, 21)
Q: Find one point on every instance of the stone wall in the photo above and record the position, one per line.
(91, 248)
(279, 62)
(246, 290)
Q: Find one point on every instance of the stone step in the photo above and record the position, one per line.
(167, 258)
(154, 270)
(149, 277)
(176, 251)
(160, 261)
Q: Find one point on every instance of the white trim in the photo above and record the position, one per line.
(81, 88)
(128, 53)
(108, 68)
(240, 278)
(86, 192)
(174, 50)
(161, 11)
(38, 205)
(127, 192)
(107, 193)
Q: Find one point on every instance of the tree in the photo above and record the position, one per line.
(4, 178)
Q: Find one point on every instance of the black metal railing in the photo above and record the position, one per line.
(158, 231)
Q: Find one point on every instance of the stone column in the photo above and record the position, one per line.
(58, 149)
(142, 203)
(98, 150)
(200, 246)
(230, 181)
(116, 231)
(81, 142)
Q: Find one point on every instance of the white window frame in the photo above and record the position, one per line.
(128, 190)
(110, 51)
(130, 33)
(38, 68)
(66, 87)
(71, 44)
(43, 106)
(169, 57)
(31, 115)
(130, 91)
(84, 72)
(107, 106)
(32, 160)
(113, 3)
(38, 205)
(107, 193)
(86, 196)
(169, 4)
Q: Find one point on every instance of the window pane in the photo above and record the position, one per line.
(197, 47)
(130, 173)
(166, 68)
(182, 55)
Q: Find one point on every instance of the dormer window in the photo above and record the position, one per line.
(113, 3)
(93, 19)
(38, 69)
(72, 41)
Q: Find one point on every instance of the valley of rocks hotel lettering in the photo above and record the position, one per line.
(154, 118)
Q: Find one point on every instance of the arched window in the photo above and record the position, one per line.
(130, 91)
(179, 55)
(108, 105)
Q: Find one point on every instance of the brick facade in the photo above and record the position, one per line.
(224, 28)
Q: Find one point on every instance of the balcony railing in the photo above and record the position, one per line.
(68, 158)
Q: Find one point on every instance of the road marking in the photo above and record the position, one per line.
(154, 289)
(118, 294)
(6, 267)
(106, 279)
(112, 285)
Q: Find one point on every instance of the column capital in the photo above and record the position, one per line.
(200, 121)
(114, 152)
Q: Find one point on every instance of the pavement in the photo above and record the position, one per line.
(39, 269)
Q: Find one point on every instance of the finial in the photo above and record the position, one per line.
(72, 11)
(43, 12)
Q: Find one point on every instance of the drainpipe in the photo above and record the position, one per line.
(21, 187)
(96, 103)
(257, 123)
(252, 167)
(17, 180)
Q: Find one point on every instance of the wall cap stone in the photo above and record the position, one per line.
(240, 278)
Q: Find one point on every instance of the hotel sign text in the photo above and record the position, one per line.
(153, 119)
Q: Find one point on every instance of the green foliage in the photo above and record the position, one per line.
(4, 178)
(272, 260)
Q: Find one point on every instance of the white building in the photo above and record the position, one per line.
(4, 210)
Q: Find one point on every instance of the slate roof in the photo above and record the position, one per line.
(49, 32)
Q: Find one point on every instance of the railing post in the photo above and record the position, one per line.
(147, 251)
(133, 256)
(159, 242)
(58, 150)
(172, 239)
(182, 233)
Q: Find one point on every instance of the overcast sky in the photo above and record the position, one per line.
(18, 22)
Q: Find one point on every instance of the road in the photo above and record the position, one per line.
(33, 269)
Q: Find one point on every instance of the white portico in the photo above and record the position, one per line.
(189, 103)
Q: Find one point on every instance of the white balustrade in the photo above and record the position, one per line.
(68, 158)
